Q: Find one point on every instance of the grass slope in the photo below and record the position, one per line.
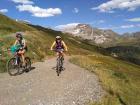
(120, 79)
(128, 53)
(8, 25)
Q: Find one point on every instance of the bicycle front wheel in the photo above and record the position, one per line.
(12, 67)
(59, 65)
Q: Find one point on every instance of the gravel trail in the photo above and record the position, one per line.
(42, 86)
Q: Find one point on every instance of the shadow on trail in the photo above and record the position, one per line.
(54, 68)
(26, 71)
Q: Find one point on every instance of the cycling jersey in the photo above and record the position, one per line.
(59, 45)
(21, 43)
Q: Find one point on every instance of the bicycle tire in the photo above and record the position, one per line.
(11, 63)
(58, 66)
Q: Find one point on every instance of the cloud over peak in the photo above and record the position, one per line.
(109, 6)
(65, 26)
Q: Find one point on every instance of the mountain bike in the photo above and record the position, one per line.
(15, 64)
(59, 65)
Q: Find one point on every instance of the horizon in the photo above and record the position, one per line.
(119, 16)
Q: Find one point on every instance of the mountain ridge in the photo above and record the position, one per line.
(104, 38)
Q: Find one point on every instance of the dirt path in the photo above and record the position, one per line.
(41, 86)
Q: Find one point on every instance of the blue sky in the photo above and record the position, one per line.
(119, 15)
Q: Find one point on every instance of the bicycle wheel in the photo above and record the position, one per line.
(28, 64)
(61, 63)
(58, 67)
(12, 68)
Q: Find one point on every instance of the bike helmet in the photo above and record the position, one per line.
(19, 35)
(58, 37)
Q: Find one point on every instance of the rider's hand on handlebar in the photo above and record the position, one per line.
(66, 50)
(21, 48)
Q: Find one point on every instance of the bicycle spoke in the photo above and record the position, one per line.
(12, 68)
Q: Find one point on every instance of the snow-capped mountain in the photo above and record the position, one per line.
(95, 35)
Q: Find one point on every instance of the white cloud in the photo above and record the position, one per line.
(39, 12)
(76, 10)
(23, 1)
(109, 6)
(3, 10)
(66, 26)
(101, 21)
(134, 19)
(122, 26)
(97, 22)
(26, 21)
(127, 26)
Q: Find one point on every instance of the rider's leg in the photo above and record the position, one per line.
(23, 56)
(57, 54)
(62, 54)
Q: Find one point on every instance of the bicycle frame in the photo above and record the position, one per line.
(17, 56)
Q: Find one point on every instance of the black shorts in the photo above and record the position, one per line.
(26, 49)
(59, 50)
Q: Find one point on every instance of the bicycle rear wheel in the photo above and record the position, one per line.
(12, 67)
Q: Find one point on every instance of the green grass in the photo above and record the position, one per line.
(128, 53)
(120, 79)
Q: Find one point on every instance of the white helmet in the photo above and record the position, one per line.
(58, 37)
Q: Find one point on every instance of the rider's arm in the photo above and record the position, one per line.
(24, 42)
(53, 45)
(15, 43)
(65, 46)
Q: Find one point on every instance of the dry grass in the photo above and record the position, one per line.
(120, 79)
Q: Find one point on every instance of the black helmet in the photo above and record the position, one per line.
(19, 35)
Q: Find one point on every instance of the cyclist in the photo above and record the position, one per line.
(59, 45)
(23, 47)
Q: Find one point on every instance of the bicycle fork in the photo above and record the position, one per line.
(17, 60)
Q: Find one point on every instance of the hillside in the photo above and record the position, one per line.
(39, 40)
(127, 48)
(120, 79)
(8, 25)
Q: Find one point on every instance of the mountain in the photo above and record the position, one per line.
(127, 48)
(99, 37)
(94, 35)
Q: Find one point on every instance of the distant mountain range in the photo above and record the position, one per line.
(104, 38)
